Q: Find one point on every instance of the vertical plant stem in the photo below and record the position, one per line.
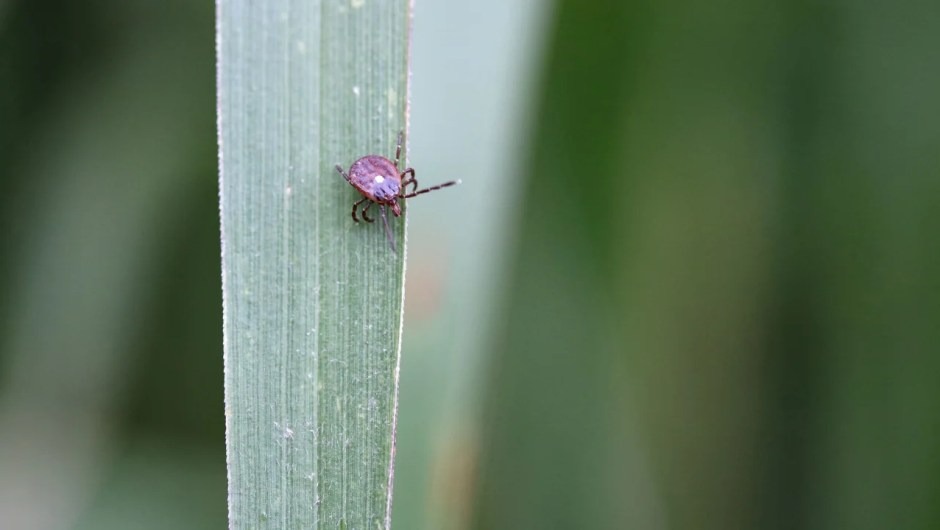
(312, 301)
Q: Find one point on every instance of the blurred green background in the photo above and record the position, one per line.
(691, 279)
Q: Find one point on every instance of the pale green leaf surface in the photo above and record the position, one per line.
(312, 301)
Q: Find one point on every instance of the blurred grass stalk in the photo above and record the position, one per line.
(92, 223)
(312, 302)
(727, 318)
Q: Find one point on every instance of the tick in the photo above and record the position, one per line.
(378, 180)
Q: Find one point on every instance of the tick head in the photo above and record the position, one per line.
(396, 209)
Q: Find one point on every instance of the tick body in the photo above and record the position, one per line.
(380, 182)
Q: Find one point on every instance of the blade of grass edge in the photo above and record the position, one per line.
(312, 302)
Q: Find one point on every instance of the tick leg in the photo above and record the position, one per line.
(401, 136)
(356, 205)
(432, 188)
(345, 176)
(406, 181)
(388, 231)
(364, 210)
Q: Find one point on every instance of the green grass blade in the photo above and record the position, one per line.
(312, 302)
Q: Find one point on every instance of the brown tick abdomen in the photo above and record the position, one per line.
(376, 177)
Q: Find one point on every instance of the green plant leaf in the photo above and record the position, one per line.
(312, 301)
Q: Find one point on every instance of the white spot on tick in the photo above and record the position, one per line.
(379, 179)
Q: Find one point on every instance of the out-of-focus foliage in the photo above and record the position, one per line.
(723, 307)
(719, 311)
(110, 346)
